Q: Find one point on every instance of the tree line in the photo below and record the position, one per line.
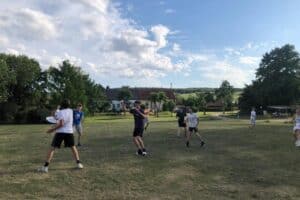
(29, 94)
(277, 81)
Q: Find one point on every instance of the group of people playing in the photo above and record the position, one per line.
(69, 120)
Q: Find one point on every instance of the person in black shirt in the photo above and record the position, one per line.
(139, 117)
(181, 114)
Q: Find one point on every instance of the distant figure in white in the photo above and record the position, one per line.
(192, 121)
(252, 118)
(297, 128)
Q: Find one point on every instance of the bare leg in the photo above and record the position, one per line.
(75, 153)
(50, 154)
(140, 140)
(136, 142)
(178, 131)
(198, 135)
(79, 136)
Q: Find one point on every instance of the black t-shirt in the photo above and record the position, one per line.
(138, 118)
(181, 116)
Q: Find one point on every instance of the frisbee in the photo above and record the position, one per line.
(51, 120)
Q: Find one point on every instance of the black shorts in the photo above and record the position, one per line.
(181, 124)
(193, 129)
(66, 137)
(138, 131)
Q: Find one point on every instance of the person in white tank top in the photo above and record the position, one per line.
(297, 128)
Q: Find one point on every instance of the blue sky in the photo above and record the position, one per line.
(153, 43)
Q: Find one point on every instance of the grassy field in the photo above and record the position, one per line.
(236, 163)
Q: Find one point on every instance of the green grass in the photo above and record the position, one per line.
(237, 163)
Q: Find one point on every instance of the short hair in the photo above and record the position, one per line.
(79, 105)
(137, 102)
(143, 106)
(65, 104)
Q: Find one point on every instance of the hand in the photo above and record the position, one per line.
(50, 130)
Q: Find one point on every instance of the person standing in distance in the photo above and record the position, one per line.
(64, 132)
(78, 116)
(139, 117)
(181, 114)
(192, 120)
(252, 118)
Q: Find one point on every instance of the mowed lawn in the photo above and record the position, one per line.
(236, 163)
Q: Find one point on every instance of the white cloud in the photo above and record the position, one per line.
(160, 33)
(170, 11)
(28, 24)
(249, 60)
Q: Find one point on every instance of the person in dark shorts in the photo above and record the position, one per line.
(139, 117)
(192, 120)
(181, 114)
(64, 132)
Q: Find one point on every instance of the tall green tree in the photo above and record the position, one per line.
(6, 78)
(225, 94)
(22, 86)
(277, 80)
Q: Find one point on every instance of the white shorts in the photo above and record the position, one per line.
(252, 121)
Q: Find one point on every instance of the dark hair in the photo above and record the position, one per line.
(79, 105)
(143, 107)
(65, 104)
(137, 102)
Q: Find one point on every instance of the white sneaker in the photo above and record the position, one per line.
(297, 143)
(43, 169)
(79, 166)
(144, 153)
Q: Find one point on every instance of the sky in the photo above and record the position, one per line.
(151, 43)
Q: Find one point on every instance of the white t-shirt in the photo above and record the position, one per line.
(192, 120)
(253, 115)
(67, 116)
(297, 123)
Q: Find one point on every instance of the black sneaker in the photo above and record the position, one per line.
(202, 143)
(79, 145)
(139, 153)
(187, 144)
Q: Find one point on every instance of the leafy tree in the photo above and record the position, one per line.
(161, 97)
(6, 79)
(277, 80)
(124, 95)
(225, 94)
(153, 98)
(169, 105)
(23, 91)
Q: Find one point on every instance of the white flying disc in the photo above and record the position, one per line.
(51, 120)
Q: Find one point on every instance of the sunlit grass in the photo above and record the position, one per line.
(237, 163)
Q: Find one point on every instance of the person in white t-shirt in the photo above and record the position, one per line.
(192, 121)
(64, 132)
(297, 128)
(252, 118)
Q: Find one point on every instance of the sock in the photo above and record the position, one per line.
(144, 150)
(46, 164)
(140, 151)
(78, 161)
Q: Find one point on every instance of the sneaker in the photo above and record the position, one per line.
(202, 143)
(79, 145)
(139, 153)
(79, 166)
(144, 153)
(187, 144)
(43, 169)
